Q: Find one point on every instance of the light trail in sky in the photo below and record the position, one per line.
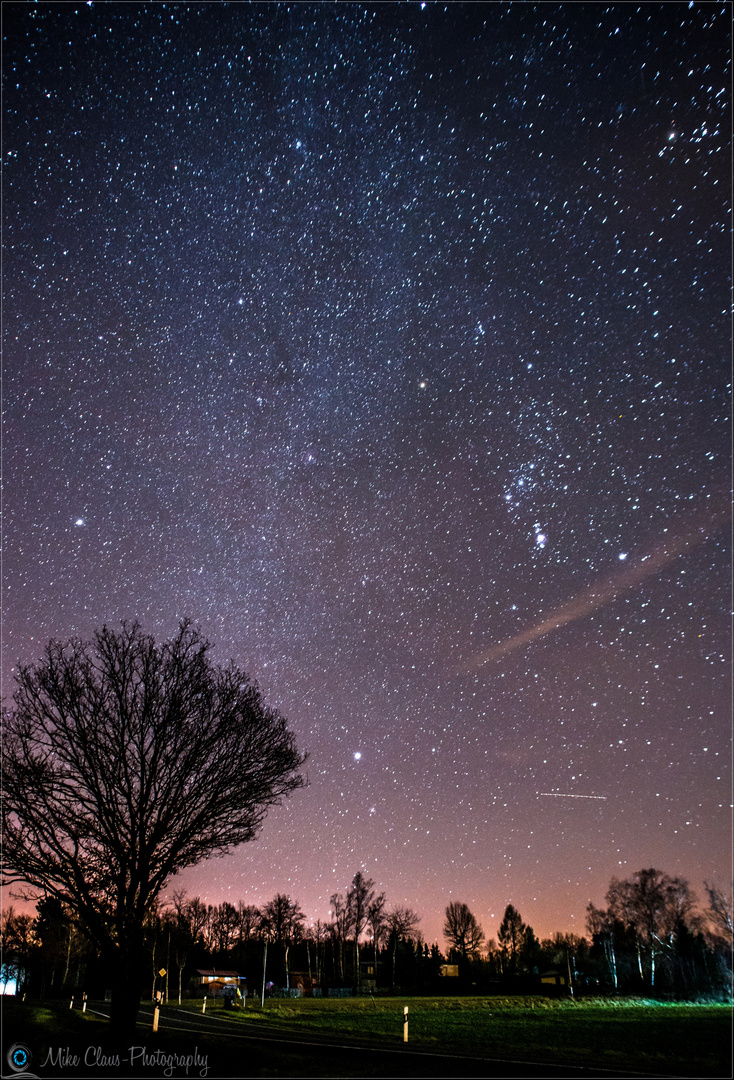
(565, 795)
(690, 533)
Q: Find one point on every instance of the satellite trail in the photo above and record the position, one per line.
(564, 795)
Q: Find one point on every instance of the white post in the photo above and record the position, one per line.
(156, 1013)
(71, 1003)
(405, 1024)
(203, 1007)
(84, 1002)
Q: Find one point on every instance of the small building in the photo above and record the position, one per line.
(367, 976)
(301, 980)
(554, 978)
(212, 982)
(450, 971)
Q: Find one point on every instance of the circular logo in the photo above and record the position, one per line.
(19, 1057)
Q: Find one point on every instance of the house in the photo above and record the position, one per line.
(450, 971)
(212, 982)
(368, 975)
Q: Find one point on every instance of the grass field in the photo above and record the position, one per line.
(611, 1037)
(686, 1040)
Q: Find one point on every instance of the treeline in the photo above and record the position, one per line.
(651, 938)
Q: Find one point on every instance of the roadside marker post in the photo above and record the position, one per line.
(84, 1002)
(156, 1014)
(203, 1007)
(71, 1003)
(405, 1024)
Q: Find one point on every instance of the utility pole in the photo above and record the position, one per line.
(570, 976)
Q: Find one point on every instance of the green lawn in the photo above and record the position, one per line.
(626, 1036)
(687, 1040)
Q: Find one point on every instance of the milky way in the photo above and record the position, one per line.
(389, 343)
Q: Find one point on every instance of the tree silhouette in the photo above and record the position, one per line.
(600, 925)
(655, 906)
(341, 924)
(401, 921)
(462, 930)
(281, 921)
(122, 763)
(360, 897)
(511, 936)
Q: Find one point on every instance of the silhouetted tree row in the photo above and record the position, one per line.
(650, 939)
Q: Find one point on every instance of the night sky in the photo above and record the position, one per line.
(390, 343)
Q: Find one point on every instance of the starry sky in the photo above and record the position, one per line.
(390, 343)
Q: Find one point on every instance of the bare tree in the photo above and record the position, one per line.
(720, 910)
(59, 941)
(360, 896)
(198, 916)
(281, 917)
(600, 925)
(340, 927)
(462, 930)
(377, 922)
(182, 938)
(320, 933)
(401, 922)
(281, 921)
(122, 763)
(720, 913)
(224, 925)
(249, 921)
(655, 906)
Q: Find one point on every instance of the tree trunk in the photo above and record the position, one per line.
(155, 971)
(68, 959)
(611, 959)
(124, 972)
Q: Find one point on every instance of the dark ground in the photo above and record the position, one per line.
(67, 1045)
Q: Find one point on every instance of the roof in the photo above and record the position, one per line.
(218, 974)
